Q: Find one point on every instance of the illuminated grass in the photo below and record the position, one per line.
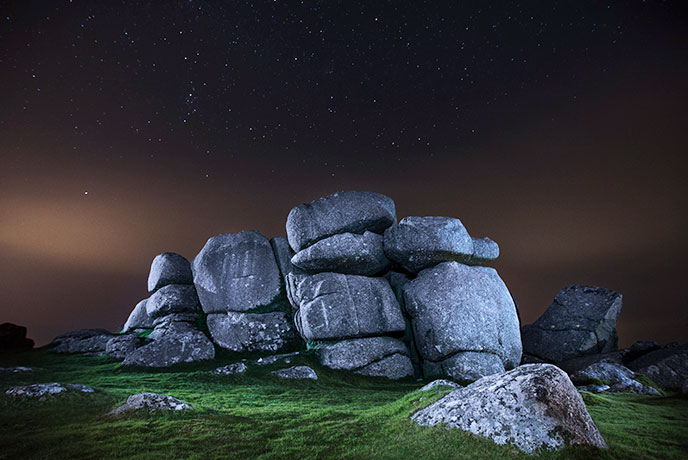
(257, 415)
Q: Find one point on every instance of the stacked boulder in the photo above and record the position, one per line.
(464, 320)
(240, 289)
(333, 267)
(174, 310)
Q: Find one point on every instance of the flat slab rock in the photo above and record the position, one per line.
(348, 253)
(169, 268)
(296, 372)
(82, 341)
(151, 401)
(581, 321)
(343, 212)
(372, 356)
(534, 406)
(42, 390)
(231, 369)
(236, 272)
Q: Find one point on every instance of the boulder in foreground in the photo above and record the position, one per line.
(534, 406)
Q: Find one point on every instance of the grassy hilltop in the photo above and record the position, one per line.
(257, 415)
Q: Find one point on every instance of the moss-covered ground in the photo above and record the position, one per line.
(257, 415)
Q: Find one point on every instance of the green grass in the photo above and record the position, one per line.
(256, 415)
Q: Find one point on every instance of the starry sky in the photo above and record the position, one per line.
(129, 128)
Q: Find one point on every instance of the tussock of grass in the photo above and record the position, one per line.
(257, 415)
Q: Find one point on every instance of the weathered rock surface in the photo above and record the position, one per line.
(138, 318)
(667, 366)
(236, 272)
(231, 369)
(342, 212)
(42, 390)
(417, 243)
(121, 345)
(296, 372)
(151, 401)
(440, 383)
(286, 357)
(533, 406)
(291, 274)
(169, 268)
(172, 348)
(600, 388)
(484, 251)
(173, 298)
(82, 341)
(348, 253)
(581, 321)
(334, 306)
(621, 378)
(464, 320)
(242, 332)
(13, 337)
(375, 356)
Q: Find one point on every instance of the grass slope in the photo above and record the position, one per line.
(257, 415)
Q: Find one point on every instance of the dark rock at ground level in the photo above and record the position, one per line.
(16, 369)
(151, 401)
(594, 388)
(286, 357)
(138, 318)
(172, 348)
(82, 341)
(121, 345)
(581, 321)
(440, 383)
(169, 268)
(13, 337)
(581, 362)
(374, 356)
(464, 320)
(236, 272)
(342, 212)
(666, 366)
(348, 253)
(43, 390)
(231, 369)
(173, 298)
(621, 378)
(244, 332)
(533, 406)
(291, 274)
(296, 372)
(335, 306)
(417, 243)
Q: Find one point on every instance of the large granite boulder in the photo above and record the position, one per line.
(464, 321)
(236, 272)
(183, 345)
(13, 337)
(82, 341)
(291, 274)
(373, 356)
(342, 212)
(138, 318)
(335, 306)
(581, 321)
(533, 406)
(171, 299)
(247, 332)
(416, 243)
(169, 268)
(344, 253)
(121, 345)
(666, 366)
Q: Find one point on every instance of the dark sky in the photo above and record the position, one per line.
(129, 128)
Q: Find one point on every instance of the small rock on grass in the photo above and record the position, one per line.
(230, 369)
(16, 369)
(151, 401)
(42, 390)
(440, 383)
(296, 372)
(274, 358)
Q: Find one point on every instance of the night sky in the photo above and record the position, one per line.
(559, 129)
